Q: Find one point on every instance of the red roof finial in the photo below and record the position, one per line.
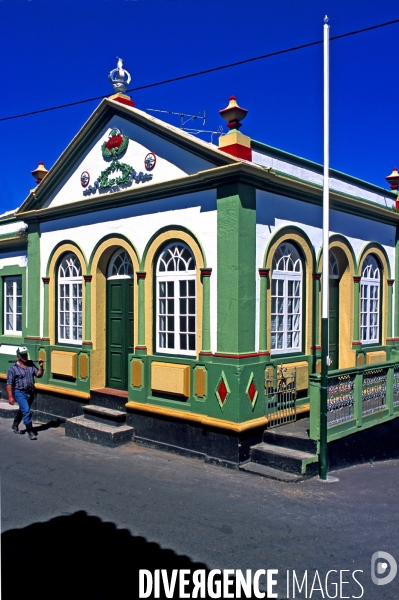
(40, 172)
(233, 114)
(393, 179)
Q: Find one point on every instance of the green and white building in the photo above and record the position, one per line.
(175, 277)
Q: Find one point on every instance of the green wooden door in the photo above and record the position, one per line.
(119, 342)
(333, 319)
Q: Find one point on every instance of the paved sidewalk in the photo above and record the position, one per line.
(89, 517)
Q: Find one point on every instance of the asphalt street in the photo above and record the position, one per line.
(79, 521)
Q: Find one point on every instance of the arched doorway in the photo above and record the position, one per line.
(119, 319)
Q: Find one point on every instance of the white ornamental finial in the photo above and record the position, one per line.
(119, 77)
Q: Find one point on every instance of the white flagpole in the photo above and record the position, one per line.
(326, 197)
(325, 360)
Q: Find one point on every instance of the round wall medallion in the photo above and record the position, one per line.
(149, 161)
(84, 179)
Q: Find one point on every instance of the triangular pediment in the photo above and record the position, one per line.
(121, 148)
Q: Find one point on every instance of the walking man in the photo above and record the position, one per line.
(20, 388)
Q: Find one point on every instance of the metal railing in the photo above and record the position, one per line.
(374, 390)
(396, 386)
(340, 399)
(281, 392)
(357, 397)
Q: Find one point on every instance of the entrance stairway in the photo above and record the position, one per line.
(103, 421)
(286, 453)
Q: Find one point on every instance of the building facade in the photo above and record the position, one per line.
(181, 276)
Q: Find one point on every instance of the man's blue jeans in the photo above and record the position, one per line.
(24, 400)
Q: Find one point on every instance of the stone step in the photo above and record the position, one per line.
(290, 439)
(285, 459)
(102, 434)
(269, 472)
(109, 397)
(101, 414)
(8, 411)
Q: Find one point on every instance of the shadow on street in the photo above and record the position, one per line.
(80, 557)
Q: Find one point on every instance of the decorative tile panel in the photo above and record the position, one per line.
(222, 391)
(252, 391)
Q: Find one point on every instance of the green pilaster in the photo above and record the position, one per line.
(358, 407)
(141, 316)
(264, 276)
(316, 350)
(87, 332)
(206, 312)
(390, 392)
(33, 280)
(236, 224)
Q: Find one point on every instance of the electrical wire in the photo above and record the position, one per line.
(205, 72)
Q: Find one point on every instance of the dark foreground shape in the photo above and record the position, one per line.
(81, 557)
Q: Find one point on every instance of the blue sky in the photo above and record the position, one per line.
(60, 51)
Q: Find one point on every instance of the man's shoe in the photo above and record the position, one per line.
(32, 435)
(14, 427)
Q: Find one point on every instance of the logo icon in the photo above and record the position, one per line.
(149, 161)
(380, 561)
(84, 179)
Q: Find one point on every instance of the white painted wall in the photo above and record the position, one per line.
(14, 227)
(9, 349)
(138, 223)
(172, 162)
(9, 259)
(337, 184)
(274, 212)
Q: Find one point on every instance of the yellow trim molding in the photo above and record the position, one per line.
(44, 387)
(203, 420)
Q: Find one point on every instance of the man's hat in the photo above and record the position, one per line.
(22, 350)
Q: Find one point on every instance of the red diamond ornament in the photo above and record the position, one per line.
(222, 391)
(252, 391)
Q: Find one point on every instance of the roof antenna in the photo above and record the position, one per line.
(182, 116)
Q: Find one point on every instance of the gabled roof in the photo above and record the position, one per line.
(192, 153)
(193, 164)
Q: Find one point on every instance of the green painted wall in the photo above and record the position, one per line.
(237, 407)
(236, 275)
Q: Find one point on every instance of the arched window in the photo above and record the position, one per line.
(120, 266)
(370, 301)
(333, 266)
(286, 312)
(70, 300)
(176, 300)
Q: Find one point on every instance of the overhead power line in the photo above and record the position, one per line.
(206, 71)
